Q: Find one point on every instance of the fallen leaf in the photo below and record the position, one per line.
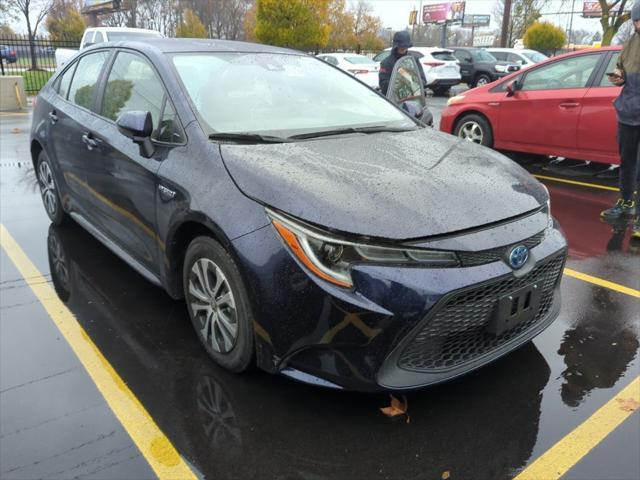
(446, 475)
(16, 130)
(628, 404)
(396, 408)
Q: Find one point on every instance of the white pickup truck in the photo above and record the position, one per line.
(104, 34)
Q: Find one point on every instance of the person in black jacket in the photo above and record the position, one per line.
(401, 45)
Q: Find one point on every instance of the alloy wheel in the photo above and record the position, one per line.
(472, 132)
(213, 305)
(47, 188)
(482, 81)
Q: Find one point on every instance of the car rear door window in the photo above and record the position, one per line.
(86, 78)
(613, 64)
(443, 56)
(65, 81)
(88, 39)
(132, 85)
(573, 72)
(513, 58)
(502, 56)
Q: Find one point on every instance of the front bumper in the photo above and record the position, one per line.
(358, 339)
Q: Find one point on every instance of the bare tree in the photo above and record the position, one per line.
(523, 14)
(34, 12)
(613, 16)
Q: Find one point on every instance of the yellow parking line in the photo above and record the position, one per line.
(162, 456)
(560, 458)
(602, 283)
(575, 182)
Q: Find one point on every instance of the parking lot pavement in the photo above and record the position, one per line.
(552, 401)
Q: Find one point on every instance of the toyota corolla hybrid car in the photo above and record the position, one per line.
(312, 226)
(561, 107)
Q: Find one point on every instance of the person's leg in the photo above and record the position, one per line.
(628, 138)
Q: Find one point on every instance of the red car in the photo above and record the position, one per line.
(561, 107)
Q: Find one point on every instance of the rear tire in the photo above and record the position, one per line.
(218, 304)
(441, 91)
(474, 128)
(49, 190)
(481, 79)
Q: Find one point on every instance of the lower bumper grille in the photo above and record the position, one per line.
(456, 334)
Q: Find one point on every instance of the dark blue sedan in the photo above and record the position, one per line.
(8, 54)
(313, 227)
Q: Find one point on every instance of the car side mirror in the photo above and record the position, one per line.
(138, 126)
(413, 108)
(512, 88)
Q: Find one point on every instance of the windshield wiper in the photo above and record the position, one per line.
(247, 137)
(341, 131)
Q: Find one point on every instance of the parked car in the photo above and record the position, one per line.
(441, 69)
(8, 54)
(519, 56)
(359, 66)
(478, 67)
(311, 225)
(561, 107)
(97, 35)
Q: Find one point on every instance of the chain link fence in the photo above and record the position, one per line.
(34, 60)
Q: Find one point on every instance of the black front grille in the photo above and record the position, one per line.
(470, 259)
(456, 333)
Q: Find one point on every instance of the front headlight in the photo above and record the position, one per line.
(454, 100)
(331, 258)
(549, 217)
(500, 68)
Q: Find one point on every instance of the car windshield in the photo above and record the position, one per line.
(120, 36)
(279, 94)
(359, 60)
(534, 56)
(482, 56)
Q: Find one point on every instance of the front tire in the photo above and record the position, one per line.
(218, 304)
(474, 128)
(49, 190)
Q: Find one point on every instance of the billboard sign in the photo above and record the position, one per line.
(443, 12)
(476, 21)
(592, 9)
(89, 6)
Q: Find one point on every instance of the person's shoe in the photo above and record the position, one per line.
(635, 230)
(622, 208)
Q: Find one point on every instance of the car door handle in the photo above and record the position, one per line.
(166, 194)
(90, 141)
(53, 117)
(569, 105)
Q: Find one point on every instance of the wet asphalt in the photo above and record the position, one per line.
(491, 424)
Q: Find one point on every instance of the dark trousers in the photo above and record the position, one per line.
(629, 144)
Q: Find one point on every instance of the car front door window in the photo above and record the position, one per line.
(571, 72)
(133, 85)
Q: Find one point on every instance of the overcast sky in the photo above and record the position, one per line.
(395, 13)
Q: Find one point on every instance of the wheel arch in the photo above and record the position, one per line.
(179, 240)
(35, 148)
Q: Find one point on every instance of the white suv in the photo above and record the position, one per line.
(441, 68)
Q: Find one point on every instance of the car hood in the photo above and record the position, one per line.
(399, 186)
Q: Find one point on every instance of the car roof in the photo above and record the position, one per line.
(343, 55)
(122, 29)
(180, 45)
